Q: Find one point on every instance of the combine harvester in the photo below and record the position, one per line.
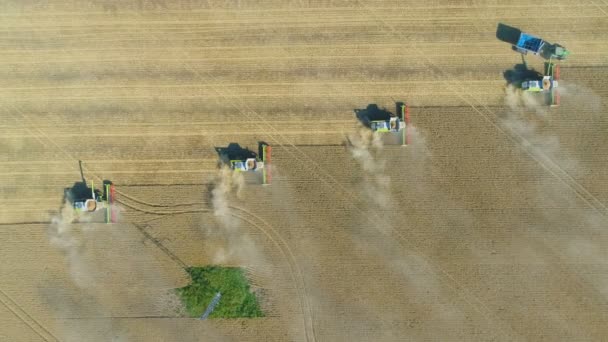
(244, 160)
(548, 84)
(382, 121)
(89, 200)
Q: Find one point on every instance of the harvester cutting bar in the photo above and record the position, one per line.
(404, 134)
(552, 70)
(407, 125)
(266, 157)
(111, 201)
(110, 209)
(108, 204)
(556, 98)
(405, 117)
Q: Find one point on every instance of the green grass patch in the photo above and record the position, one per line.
(237, 300)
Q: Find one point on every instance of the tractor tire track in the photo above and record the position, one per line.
(268, 231)
(26, 318)
(299, 281)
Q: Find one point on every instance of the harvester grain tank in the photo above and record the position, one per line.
(529, 43)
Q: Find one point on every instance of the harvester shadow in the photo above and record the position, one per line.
(233, 151)
(372, 113)
(80, 191)
(520, 73)
(76, 192)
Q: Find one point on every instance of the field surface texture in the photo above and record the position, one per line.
(490, 226)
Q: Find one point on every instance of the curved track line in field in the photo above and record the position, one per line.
(289, 255)
(269, 231)
(282, 245)
(300, 286)
(154, 206)
(159, 212)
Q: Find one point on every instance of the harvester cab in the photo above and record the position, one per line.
(546, 84)
(391, 125)
(241, 159)
(250, 164)
(555, 51)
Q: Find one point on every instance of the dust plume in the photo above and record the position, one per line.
(553, 191)
(69, 239)
(64, 236)
(528, 126)
(227, 183)
(365, 145)
(518, 100)
(240, 248)
(380, 214)
(582, 98)
(112, 272)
